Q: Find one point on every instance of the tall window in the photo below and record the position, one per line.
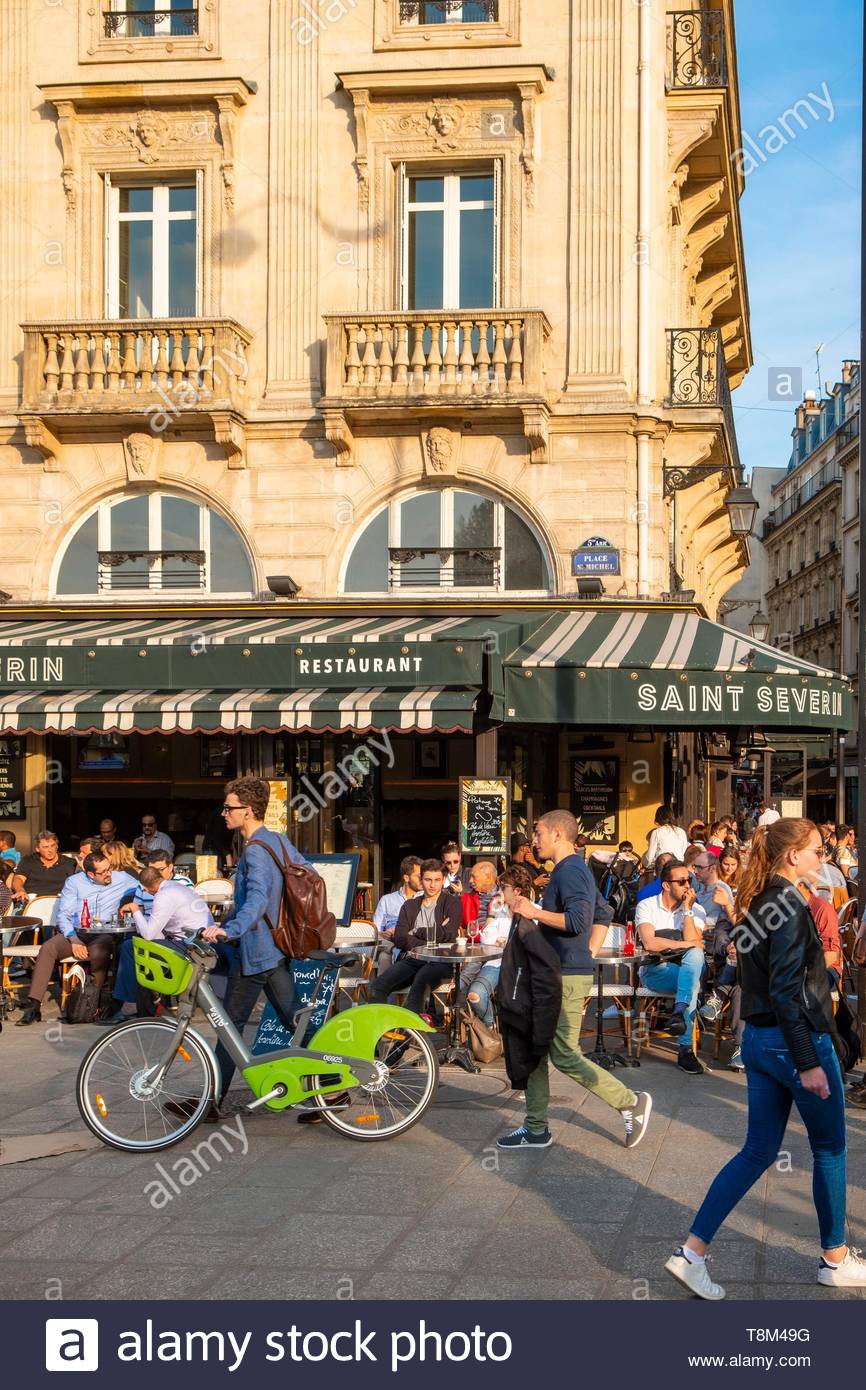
(153, 254)
(144, 19)
(449, 11)
(155, 542)
(448, 539)
(450, 230)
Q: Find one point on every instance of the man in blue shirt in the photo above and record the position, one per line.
(103, 889)
(567, 918)
(654, 887)
(126, 989)
(258, 894)
(389, 905)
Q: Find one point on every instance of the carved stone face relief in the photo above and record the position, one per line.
(441, 450)
(141, 452)
(444, 124)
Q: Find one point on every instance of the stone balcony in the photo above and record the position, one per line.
(154, 372)
(436, 363)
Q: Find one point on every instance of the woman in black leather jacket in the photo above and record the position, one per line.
(788, 1051)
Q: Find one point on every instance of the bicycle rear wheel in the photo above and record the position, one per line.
(120, 1103)
(397, 1102)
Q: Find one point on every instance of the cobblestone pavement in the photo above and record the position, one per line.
(438, 1213)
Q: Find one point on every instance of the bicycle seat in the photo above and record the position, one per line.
(334, 958)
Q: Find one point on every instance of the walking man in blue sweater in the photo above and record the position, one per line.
(566, 918)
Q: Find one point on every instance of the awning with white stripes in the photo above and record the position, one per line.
(439, 709)
(636, 667)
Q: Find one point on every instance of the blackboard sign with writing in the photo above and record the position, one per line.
(11, 779)
(595, 798)
(271, 1035)
(485, 811)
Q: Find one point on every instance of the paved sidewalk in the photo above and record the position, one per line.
(438, 1213)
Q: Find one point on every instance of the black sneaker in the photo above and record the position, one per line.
(687, 1061)
(524, 1138)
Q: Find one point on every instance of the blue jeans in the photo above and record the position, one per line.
(774, 1083)
(683, 980)
(483, 985)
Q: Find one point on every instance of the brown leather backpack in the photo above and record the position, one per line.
(305, 924)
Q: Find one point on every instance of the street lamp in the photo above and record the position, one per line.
(759, 627)
(742, 508)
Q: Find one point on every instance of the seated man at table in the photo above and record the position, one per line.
(434, 911)
(7, 847)
(102, 889)
(126, 989)
(44, 872)
(389, 905)
(669, 922)
(476, 901)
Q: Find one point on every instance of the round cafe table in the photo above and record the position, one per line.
(600, 1054)
(456, 1053)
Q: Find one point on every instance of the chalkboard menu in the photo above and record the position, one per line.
(595, 798)
(271, 1035)
(11, 779)
(485, 814)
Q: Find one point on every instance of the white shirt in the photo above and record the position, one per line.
(652, 912)
(768, 817)
(666, 839)
(175, 909)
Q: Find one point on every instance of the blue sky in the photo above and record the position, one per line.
(801, 209)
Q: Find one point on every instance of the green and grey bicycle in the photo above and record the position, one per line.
(148, 1083)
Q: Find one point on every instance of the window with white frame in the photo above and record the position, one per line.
(154, 542)
(153, 250)
(447, 538)
(426, 12)
(145, 19)
(450, 239)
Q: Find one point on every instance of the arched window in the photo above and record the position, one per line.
(447, 538)
(155, 543)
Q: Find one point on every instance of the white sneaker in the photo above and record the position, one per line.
(695, 1277)
(850, 1274)
(636, 1119)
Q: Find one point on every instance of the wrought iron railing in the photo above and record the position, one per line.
(449, 11)
(810, 489)
(848, 432)
(444, 567)
(148, 24)
(696, 49)
(150, 569)
(698, 375)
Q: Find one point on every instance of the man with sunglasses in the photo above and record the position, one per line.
(258, 891)
(671, 924)
(150, 840)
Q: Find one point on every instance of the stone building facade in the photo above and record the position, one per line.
(257, 253)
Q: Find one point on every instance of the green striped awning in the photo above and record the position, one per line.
(651, 668)
(439, 709)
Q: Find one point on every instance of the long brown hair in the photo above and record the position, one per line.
(770, 844)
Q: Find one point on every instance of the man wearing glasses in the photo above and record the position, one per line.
(671, 924)
(258, 892)
(151, 839)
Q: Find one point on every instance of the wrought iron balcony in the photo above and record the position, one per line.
(122, 365)
(827, 477)
(150, 569)
(847, 433)
(698, 376)
(148, 24)
(449, 11)
(446, 567)
(696, 49)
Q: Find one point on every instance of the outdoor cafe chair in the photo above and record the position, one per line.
(363, 939)
(619, 992)
(215, 889)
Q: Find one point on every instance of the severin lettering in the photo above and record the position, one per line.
(30, 670)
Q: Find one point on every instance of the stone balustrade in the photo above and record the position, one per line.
(118, 365)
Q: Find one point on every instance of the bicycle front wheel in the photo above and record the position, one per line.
(396, 1102)
(122, 1101)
